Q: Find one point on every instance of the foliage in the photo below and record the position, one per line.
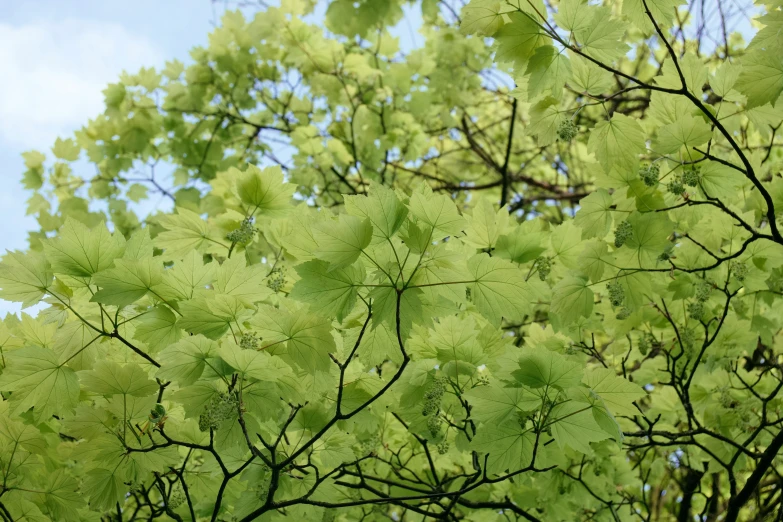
(392, 286)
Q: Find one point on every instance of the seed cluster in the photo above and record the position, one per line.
(676, 186)
(432, 400)
(739, 270)
(691, 177)
(544, 266)
(249, 341)
(276, 279)
(433, 396)
(696, 307)
(218, 409)
(244, 234)
(622, 233)
(649, 174)
(616, 293)
(567, 130)
(176, 497)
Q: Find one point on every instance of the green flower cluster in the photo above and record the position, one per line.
(218, 409)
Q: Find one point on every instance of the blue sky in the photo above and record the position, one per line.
(56, 57)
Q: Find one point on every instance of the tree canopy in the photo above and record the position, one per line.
(528, 270)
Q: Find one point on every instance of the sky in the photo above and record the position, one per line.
(56, 57)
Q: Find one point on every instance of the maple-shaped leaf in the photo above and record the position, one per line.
(304, 338)
(574, 425)
(184, 233)
(110, 378)
(385, 212)
(264, 190)
(184, 361)
(325, 289)
(482, 17)
(80, 251)
(616, 392)
(508, 447)
(341, 242)
(617, 142)
(499, 289)
(128, 281)
(572, 298)
(39, 381)
(539, 368)
(24, 278)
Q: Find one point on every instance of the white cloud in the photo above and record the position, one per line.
(54, 72)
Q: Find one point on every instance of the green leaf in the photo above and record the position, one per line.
(539, 368)
(508, 447)
(264, 190)
(187, 278)
(437, 211)
(649, 238)
(617, 142)
(39, 381)
(60, 497)
(545, 118)
(81, 252)
(211, 317)
(382, 208)
(128, 281)
(573, 425)
(595, 215)
(618, 393)
(305, 338)
(524, 243)
(548, 69)
(662, 10)
(761, 78)
(379, 345)
(66, 150)
(250, 364)
(588, 77)
(725, 78)
(342, 242)
(185, 232)
(24, 278)
(324, 289)
(693, 70)
(485, 224)
(499, 289)
(687, 131)
(573, 15)
(481, 17)
(157, 328)
(595, 258)
(245, 283)
(384, 308)
(572, 298)
(566, 242)
(494, 405)
(105, 487)
(518, 39)
(184, 361)
(600, 37)
(196, 396)
(139, 246)
(110, 378)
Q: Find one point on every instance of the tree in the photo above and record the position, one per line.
(404, 286)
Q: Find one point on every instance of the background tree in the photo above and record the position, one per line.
(530, 270)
